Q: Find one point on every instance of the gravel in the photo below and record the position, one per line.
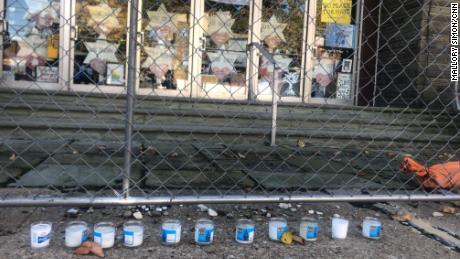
(398, 241)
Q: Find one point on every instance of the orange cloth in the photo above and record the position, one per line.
(446, 176)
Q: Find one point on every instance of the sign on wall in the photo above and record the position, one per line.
(336, 11)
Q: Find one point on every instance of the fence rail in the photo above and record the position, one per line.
(113, 102)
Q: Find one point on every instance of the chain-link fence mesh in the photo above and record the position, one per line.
(224, 101)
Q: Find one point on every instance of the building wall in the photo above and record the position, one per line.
(413, 69)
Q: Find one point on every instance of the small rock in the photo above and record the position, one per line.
(437, 214)
(230, 216)
(188, 219)
(377, 214)
(164, 208)
(138, 215)
(263, 210)
(293, 209)
(202, 207)
(127, 214)
(159, 209)
(212, 213)
(269, 215)
(319, 213)
(336, 216)
(337, 207)
(165, 213)
(90, 210)
(299, 206)
(244, 207)
(284, 205)
(311, 212)
(72, 213)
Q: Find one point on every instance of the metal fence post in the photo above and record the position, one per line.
(130, 92)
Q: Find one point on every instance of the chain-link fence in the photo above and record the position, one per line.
(176, 101)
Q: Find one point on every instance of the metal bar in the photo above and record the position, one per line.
(269, 56)
(103, 201)
(457, 96)
(357, 53)
(274, 106)
(376, 76)
(130, 92)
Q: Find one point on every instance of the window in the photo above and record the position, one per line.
(164, 52)
(31, 42)
(305, 50)
(99, 50)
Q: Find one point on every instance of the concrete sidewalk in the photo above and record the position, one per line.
(399, 240)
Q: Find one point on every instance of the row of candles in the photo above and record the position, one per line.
(104, 233)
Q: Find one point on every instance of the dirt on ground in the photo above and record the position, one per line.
(398, 241)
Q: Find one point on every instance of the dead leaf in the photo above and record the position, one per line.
(390, 154)
(90, 247)
(402, 216)
(13, 157)
(97, 250)
(300, 143)
(298, 239)
(82, 250)
(286, 238)
(448, 209)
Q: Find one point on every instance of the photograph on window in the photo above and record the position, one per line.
(334, 50)
(164, 55)
(100, 39)
(281, 34)
(225, 40)
(31, 39)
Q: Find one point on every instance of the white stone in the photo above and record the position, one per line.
(336, 216)
(319, 213)
(164, 208)
(212, 213)
(284, 205)
(159, 209)
(138, 215)
(437, 214)
(311, 212)
(293, 209)
(269, 215)
(202, 207)
(72, 211)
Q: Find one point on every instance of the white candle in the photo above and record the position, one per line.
(372, 228)
(76, 233)
(40, 234)
(170, 232)
(276, 228)
(204, 232)
(339, 228)
(104, 234)
(244, 232)
(133, 233)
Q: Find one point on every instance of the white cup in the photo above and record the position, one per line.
(339, 228)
